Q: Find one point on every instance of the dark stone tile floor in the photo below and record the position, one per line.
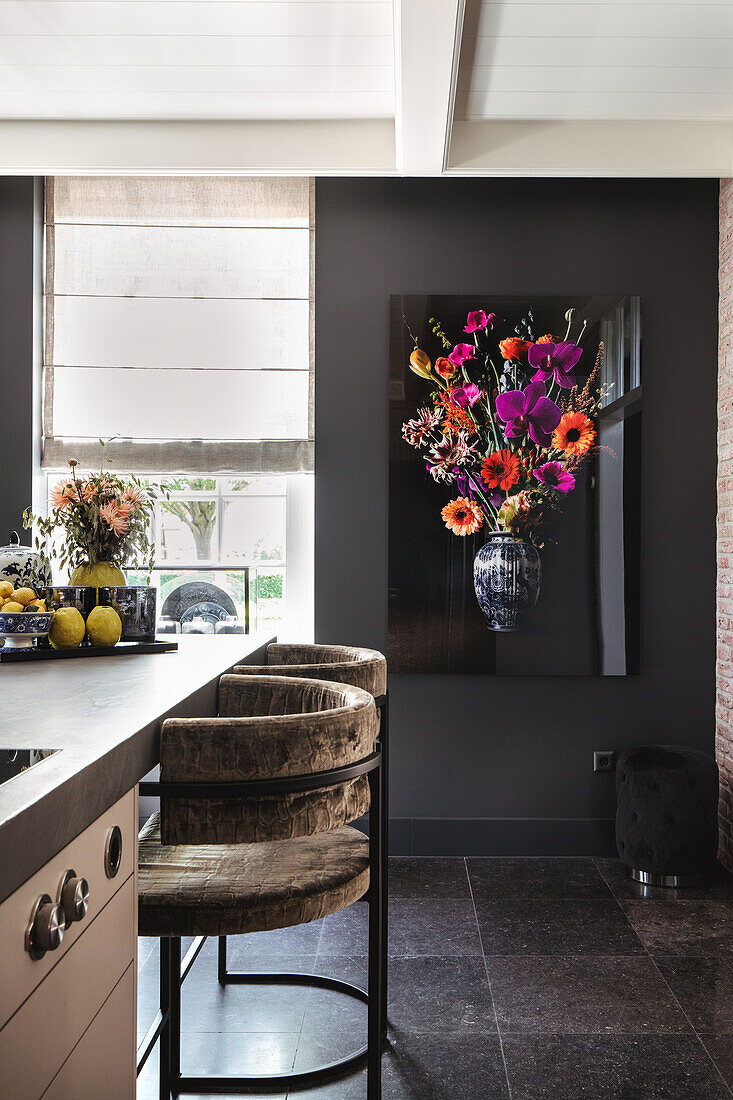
(509, 978)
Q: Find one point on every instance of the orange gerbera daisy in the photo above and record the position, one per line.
(462, 516)
(500, 470)
(574, 434)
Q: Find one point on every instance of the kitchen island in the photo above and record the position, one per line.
(72, 819)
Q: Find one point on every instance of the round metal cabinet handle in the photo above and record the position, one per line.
(73, 897)
(45, 929)
(113, 851)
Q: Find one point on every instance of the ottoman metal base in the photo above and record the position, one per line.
(647, 878)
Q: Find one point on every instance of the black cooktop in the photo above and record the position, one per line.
(15, 761)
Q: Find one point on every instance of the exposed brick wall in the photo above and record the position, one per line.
(724, 667)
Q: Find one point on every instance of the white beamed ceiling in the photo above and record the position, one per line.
(197, 59)
(596, 60)
(367, 87)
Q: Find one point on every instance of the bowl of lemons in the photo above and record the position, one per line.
(23, 616)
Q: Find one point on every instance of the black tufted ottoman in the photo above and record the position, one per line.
(667, 815)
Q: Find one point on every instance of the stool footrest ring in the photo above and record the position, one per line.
(275, 1082)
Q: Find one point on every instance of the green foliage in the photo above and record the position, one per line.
(261, 554)
(192, 484)
(270, 586)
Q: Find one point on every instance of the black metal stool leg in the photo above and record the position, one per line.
(175, 1013)
(221, 962)
(375, 1008)
(164, 1076)
(384, 739)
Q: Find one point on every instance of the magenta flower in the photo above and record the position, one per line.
(461, 353)
(555, 476)
(477, 321)
(528, 410)
(554, 360)
(466, 396)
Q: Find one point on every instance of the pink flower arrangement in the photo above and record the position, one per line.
(100, 517)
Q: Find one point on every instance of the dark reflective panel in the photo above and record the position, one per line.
(586, 618)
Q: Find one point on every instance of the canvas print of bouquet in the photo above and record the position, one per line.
(505, 427)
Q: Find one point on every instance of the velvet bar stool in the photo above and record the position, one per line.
(354, 665)
(252, 835)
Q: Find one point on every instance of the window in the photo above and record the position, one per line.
(178, 326)
(248, 536)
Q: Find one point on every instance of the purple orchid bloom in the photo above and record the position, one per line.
(554, 360)
(528, 410)
(466, 396)
(461, 353)
(555, 476)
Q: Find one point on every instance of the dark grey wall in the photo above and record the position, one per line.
(505, 764)
(16, 352)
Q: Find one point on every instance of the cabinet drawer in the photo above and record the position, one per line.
(37, 1040)
(85, 855)
(102, 1064)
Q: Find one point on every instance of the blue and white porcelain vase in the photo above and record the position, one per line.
(22, 566)
(507, 574)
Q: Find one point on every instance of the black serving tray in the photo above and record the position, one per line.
(47, 654)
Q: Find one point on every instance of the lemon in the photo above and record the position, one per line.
(23, 596)
(6, 589)
(104, 626)
(12, 607)
(97, 576)
(67, 628)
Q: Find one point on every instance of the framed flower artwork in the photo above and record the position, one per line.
(515, 474)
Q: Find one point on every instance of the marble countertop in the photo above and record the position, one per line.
(104, 715)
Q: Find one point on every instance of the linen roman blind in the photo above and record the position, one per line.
(179, 320)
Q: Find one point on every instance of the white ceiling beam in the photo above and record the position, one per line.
(599, 148)
(333, 147)
(427, 50)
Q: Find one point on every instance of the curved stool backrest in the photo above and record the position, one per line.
(269, 727)
(362, 668)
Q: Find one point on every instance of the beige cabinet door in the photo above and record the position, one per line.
(102, 1064)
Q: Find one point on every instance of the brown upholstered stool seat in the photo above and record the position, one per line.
(354, 665)
(229, 889)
